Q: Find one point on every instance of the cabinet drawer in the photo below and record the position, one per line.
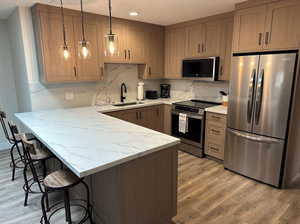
(214, 131)
(216, 118)
(214, 149)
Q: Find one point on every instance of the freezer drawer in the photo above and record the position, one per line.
(254, 156)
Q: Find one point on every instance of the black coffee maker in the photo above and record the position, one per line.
(165, 90)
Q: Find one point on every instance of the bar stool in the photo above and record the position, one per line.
(61, 181)
(14, 141)
(31, 158)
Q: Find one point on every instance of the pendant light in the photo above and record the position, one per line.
(111, 39)
(65, 49)
(84, 51)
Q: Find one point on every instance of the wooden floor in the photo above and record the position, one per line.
(207, 194)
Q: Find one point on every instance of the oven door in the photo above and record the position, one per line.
(194, 135)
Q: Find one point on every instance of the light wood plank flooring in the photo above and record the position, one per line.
(207, 194)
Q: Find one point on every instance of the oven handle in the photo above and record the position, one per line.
(199, 117)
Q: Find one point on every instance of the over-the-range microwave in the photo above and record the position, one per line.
(205, 69)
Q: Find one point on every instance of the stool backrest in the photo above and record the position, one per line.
(2, 121)
(13, 130)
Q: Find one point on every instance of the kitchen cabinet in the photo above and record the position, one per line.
(273, 26)
(154, 67)
(226, 49)
(49, 39)
(175, 49)
(212, 37)
(249, 29)
(150, 117)
(89, 69)
(282, 25)
(167, 119)
(215, 135)
(196, 40)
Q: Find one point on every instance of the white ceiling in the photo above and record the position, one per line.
(164, 12)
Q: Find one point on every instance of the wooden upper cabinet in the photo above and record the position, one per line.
(89, 69)
(283, 25)
(154, 43)
(175, 47)
(195, 40)
(273, 26)
(212, 37)
(249, 29)
(136, 42)
(49, 39)
(226, 49)
(53, 66)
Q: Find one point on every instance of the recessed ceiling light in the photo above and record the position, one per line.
(133, 13)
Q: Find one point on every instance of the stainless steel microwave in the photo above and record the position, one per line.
(205, 69)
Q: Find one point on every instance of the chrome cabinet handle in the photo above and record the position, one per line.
(221, 70)
(137, 115)
(259, 39)
(267, 38)
(141, 116)
(215, 149)
(125, 54)
(149, 70)
(250, 96)
(129, 55)
(259, 95)
(203, 48)
(216, 131)
(199, 48)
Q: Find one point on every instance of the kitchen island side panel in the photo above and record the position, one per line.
(143, 190)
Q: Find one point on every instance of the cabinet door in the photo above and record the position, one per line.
(155, 53)
(88, 69)
(212, 37)
(283, 25)
(55, 67)
(131, 116)
(249, 26)
(119, 28)
(136, 45)
(226, 50)
(196, 40)
(175, 45)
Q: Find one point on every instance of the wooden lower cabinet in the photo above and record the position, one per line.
(215, 135)
(149, 117)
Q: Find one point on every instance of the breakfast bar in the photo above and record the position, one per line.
(131, 170)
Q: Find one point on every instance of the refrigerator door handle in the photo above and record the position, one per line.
(255, 138)
(250, 96)
(259, 95)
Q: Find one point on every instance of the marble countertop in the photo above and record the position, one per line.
(87, 141)
(145, 103)
(217, 109)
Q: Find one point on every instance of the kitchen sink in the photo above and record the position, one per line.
(127, 104)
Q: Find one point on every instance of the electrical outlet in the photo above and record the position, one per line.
(69, 96)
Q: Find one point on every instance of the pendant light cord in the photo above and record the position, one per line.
(82, 22)
(110, 26)
(63, 22)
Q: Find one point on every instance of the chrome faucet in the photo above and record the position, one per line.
(123, 89)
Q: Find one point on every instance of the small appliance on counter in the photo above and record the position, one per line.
(165, 90)
(140, 91)
(151, 94)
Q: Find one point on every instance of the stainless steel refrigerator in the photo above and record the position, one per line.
(258, 114)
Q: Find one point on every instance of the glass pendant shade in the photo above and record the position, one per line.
(111, 45)
(84, 50)
(65, 52)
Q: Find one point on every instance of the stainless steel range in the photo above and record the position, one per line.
(193, 138)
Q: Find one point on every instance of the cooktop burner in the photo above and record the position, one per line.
(197, 104)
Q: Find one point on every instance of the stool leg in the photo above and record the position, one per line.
(44, 168)
(26, 184)
(88, 201)
(47, 199)
(19, 152)
(67, 206)
(43, 209)
(13, 161)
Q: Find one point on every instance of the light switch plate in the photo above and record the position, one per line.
(69, 96)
